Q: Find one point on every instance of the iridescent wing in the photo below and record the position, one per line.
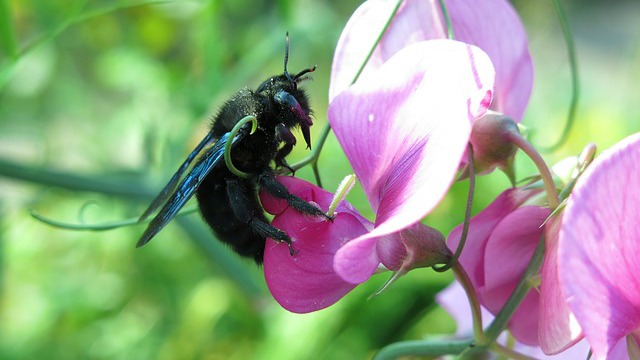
(171, 185)
(187, 187)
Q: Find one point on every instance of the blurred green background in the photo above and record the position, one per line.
(101, 100)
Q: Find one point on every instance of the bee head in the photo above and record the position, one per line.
(283, 89)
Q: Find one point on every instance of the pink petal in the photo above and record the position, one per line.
(481, 227)
(356, 40)
(495, 27)
(492, 25)
(306, 281)
(413, 247)
(454, 300)
(507, 254)
(557, 329)
(357, 260)
(599, 247)
(405, 129)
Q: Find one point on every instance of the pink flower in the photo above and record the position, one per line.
(557, 329)
(404, 128)
(491, 25)
(306, 281)
(405, 123)
(453, 300)
(599, 247)
(500, 243)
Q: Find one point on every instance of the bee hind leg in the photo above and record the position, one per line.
(246, 208)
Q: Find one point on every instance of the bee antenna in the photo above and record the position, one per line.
(286, 58)
(305, 71)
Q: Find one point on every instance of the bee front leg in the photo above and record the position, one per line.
(284, 135)
(269, 183)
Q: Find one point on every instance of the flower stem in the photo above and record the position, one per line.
(134, 190)
(227, 146)
(575, 83)
(101, 226)
(375, 44)
(545, 173)
(474, 302)
(9, 41)
(447, 20)
(467, 214)
(315, 153)
(509, 353)
(421, 347)
(521, 290)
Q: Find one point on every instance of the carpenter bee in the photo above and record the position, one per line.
(229, 203)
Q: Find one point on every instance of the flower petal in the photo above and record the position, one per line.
(481, 226)
(357, 260)
(557, 328)
(599, 247)
(492, 25)
(405, 128)
(495, 27)
(306, 281)
(454, 300)
(507, 254)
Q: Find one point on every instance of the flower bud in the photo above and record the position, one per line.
(492, 146)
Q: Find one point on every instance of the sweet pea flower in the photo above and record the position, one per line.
(491, 25)
(453, 300)
(404, 128)
(598, 251)
(306, 281)
(501, 240)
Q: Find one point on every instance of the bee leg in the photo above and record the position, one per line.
(284, 135)
(267, 231)
(246, 208)
(268, 182)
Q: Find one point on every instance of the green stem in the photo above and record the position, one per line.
(315, 153)
(214, 251)
(521, 290)
(509, 353)
(421, 347)
(447, 20)
(375, 44)
(545, 173)
(467, 214)
(101, 184)
(575, 81)
(7, 34)
(227, 146)
(474, 302)
(98, 227)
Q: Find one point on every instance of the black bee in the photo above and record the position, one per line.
(230, 203)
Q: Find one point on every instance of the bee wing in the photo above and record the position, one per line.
(187, 186)
(171, 185)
